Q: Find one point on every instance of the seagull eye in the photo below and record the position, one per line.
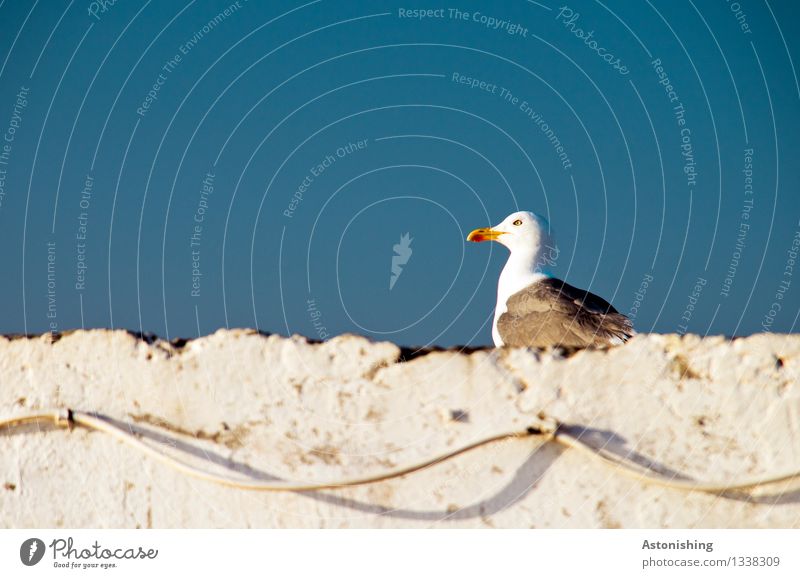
(518, 222)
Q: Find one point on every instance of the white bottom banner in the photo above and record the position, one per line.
(389, 553)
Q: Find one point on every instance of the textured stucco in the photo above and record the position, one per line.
(710, 409)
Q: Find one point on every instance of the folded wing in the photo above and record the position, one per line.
(552, 312)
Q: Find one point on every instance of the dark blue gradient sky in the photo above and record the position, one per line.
(180, 168)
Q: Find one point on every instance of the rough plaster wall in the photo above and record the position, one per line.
(711, 409)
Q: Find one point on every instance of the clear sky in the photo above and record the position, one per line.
(176, 168)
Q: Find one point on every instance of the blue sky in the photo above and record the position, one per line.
(179, 168)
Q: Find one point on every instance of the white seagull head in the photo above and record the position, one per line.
(527, 235)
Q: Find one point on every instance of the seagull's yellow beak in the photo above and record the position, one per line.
(479, 235)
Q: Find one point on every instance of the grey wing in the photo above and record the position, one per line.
(551, 312)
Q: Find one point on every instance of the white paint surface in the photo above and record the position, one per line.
(709, 409)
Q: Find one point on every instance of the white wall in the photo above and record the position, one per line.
(710, 409)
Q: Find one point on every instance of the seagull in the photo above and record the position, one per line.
(535, 309)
